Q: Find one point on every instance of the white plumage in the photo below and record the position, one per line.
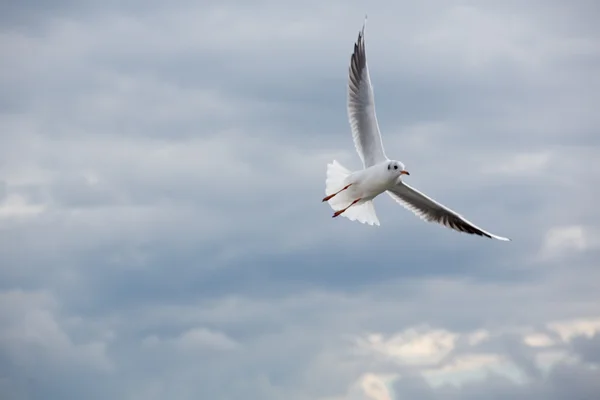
(351, 194)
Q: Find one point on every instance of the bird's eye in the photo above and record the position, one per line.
(395, 167)
(388, 167)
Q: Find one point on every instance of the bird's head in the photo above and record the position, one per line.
(397, 168)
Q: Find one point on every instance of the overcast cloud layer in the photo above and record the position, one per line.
(162, 234)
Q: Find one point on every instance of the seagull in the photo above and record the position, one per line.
(351, 194)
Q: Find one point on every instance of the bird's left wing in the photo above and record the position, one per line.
(430, 210)
(361, 107)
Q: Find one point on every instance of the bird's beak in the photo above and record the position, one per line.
(404, 172)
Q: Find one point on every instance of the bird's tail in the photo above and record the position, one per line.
(337, 179)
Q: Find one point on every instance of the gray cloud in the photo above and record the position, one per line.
(562, 382)
(161, 170)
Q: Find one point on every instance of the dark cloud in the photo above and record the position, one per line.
(162, 167)
(588, 348)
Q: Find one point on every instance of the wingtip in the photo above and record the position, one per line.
(362, 31)
(504, 239)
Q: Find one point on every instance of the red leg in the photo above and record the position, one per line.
(341, 211)
(331, 195)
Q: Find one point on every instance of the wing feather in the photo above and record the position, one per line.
(432, 211)
(361, 107)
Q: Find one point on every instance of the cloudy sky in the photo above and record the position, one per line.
(162, 235)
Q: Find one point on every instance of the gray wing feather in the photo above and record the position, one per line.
(432, 211)
(361, 107)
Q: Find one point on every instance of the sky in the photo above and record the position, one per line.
(162, 234)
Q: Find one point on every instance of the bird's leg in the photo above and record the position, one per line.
(341, 211)
(331, 195)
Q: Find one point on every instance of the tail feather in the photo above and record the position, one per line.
(337, 178)
(362, 212)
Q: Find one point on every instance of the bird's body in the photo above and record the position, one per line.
(369, 183)
(350, 193)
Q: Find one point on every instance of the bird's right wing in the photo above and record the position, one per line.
(361, 107)
(430, 210)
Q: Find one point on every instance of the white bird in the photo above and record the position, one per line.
(351, 194)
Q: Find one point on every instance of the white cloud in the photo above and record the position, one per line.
(472, 367)
(14, 206)
(562, 240)
(538, 340)
(420, 346)
(431, 353)
(569, 329)
(375, 388)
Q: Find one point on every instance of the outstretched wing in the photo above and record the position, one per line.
(430, 210)
(361, 107)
